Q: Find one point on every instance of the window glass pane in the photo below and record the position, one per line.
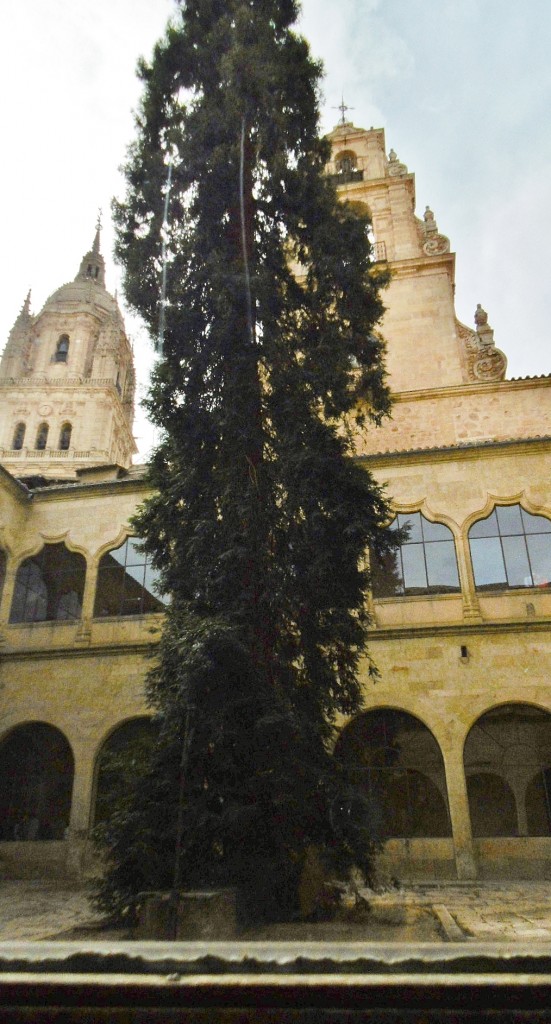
(442, 565)
(134, 557)
(488, 566)
(151, 575)
(435, 531)
(136, 571)
(386, 577)
(485, 527)
(508, 517)
(116, 554)
(535, 524)
(412, 520)
(415, 577)
(539, 551)
(516, 562)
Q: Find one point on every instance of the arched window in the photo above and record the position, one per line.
(42, 437)
(65, 437)
(124, 753)
(425, 563)
(346, 162)
(511, 548)
(49, 586)
(18, 437)
(62, 349)
(36, 782)
(395, 761)
(126, 582)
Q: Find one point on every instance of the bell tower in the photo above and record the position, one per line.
(427, 346)
(67, 381)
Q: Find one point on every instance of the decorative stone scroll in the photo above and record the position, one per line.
(431, 241)
(484, 361)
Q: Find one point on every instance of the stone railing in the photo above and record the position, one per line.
(63, 382)
(345, 177)
(36, 454)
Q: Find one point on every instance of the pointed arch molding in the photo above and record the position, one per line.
(518, 498)
(402, 508)
(51, 538)
(110, 545)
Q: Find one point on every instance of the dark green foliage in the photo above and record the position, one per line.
(260, 518)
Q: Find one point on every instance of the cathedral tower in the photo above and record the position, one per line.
(67, 381)
(427, 346)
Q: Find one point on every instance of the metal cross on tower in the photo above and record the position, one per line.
(343, 108)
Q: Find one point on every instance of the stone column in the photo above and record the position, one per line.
(83, 785)
(7, 592)
(471, 604)
(459, 813)
(84, 634)
(78, 844)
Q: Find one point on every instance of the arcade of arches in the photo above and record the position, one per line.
(388, 754)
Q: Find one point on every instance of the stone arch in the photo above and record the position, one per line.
(346, 161)
(396, 760)
(511, 741)
(122, 750)
(36, 783)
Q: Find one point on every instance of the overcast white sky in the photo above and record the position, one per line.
(462, 87)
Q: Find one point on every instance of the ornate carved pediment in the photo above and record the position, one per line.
(484, 361)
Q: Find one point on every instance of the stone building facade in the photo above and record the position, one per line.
(453, 749)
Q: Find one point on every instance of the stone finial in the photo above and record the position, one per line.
(24, 317)
(431, 241)
(431, 227)
(15, 355)
(480, 315)
(395, 167)
(483, 329)
(484, 361)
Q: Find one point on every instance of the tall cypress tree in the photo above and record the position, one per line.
(260, 517)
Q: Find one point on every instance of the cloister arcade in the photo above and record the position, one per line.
(389, 754)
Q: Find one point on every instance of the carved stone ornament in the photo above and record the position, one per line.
(484, 362)
(436, 245)
(430, 241)
(394, 168)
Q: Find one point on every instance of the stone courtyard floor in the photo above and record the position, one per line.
(444, 912)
